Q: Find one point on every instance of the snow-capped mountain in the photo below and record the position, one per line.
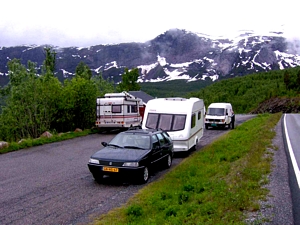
(176, 54)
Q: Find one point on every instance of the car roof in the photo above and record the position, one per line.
(143, 131)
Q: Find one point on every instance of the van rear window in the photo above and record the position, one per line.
(167, 122)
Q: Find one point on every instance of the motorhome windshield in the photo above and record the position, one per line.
(167, 122)
(216, 111)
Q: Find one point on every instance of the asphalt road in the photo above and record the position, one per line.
(291, 128)
(51, 184)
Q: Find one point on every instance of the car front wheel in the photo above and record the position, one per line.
(97, 177)
(145, 175)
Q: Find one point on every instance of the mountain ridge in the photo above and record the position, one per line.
(175, 54)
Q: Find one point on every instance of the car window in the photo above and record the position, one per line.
(155, 142)
(167, 137)
(142, 141)
(161, 139)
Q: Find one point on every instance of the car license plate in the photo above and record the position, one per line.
(110, 169)
(213, 125)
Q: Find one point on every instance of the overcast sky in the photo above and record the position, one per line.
(66, 23)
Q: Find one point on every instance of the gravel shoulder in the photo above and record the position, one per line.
(277, 209)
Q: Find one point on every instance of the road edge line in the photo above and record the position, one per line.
(293, 159)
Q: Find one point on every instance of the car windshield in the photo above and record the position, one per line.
(131, 140)
(215, 111)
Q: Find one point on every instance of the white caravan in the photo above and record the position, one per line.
(118, 110)
(182, 118)
(219, 115)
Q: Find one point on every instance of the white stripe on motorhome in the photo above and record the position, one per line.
(293, 159)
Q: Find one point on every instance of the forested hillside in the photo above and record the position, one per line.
(174, 88)
(246, 93)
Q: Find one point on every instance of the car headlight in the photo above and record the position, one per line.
(94, 161)
(131, 164)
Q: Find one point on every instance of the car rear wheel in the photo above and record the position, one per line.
(169, 161)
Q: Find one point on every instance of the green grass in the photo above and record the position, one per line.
(26, 143)
(217, 185)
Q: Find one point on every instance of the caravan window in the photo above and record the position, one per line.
(116, 109)
(165, 121)
(193, 122)
(152, 120)
(168, 122)
(199, 115)
(179, 122)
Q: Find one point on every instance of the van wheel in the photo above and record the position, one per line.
(206, 126)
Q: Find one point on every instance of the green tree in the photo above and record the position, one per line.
(83, 71)
(298, 81)
(77, 108)
(103, 86)
(30, 103)
(50, 58)
(287, 80)
(129, 81)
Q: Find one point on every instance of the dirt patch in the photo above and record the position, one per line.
(279, 104)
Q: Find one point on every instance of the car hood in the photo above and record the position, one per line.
(120, 154)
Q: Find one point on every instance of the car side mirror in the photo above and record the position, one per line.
(104, 143)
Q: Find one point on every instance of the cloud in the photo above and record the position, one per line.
(84, 23)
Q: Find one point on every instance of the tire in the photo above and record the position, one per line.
(232, 124)
(98, 178)
(206, 126)
(168, 162)
(144, 177)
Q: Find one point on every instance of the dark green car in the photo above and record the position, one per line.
(132, 154)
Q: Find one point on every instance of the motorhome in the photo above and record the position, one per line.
(219, 115)
(182, 118)
(119, 110)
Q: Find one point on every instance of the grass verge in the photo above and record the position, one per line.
(216, 185)
(26, 143)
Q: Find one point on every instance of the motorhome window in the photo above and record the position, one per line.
(116, 109)
(199, 115)
(128, 108)
(165, 121)
(134, 109)
(152, 120)
(216, 111)
(179, 122)
(193, 122)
